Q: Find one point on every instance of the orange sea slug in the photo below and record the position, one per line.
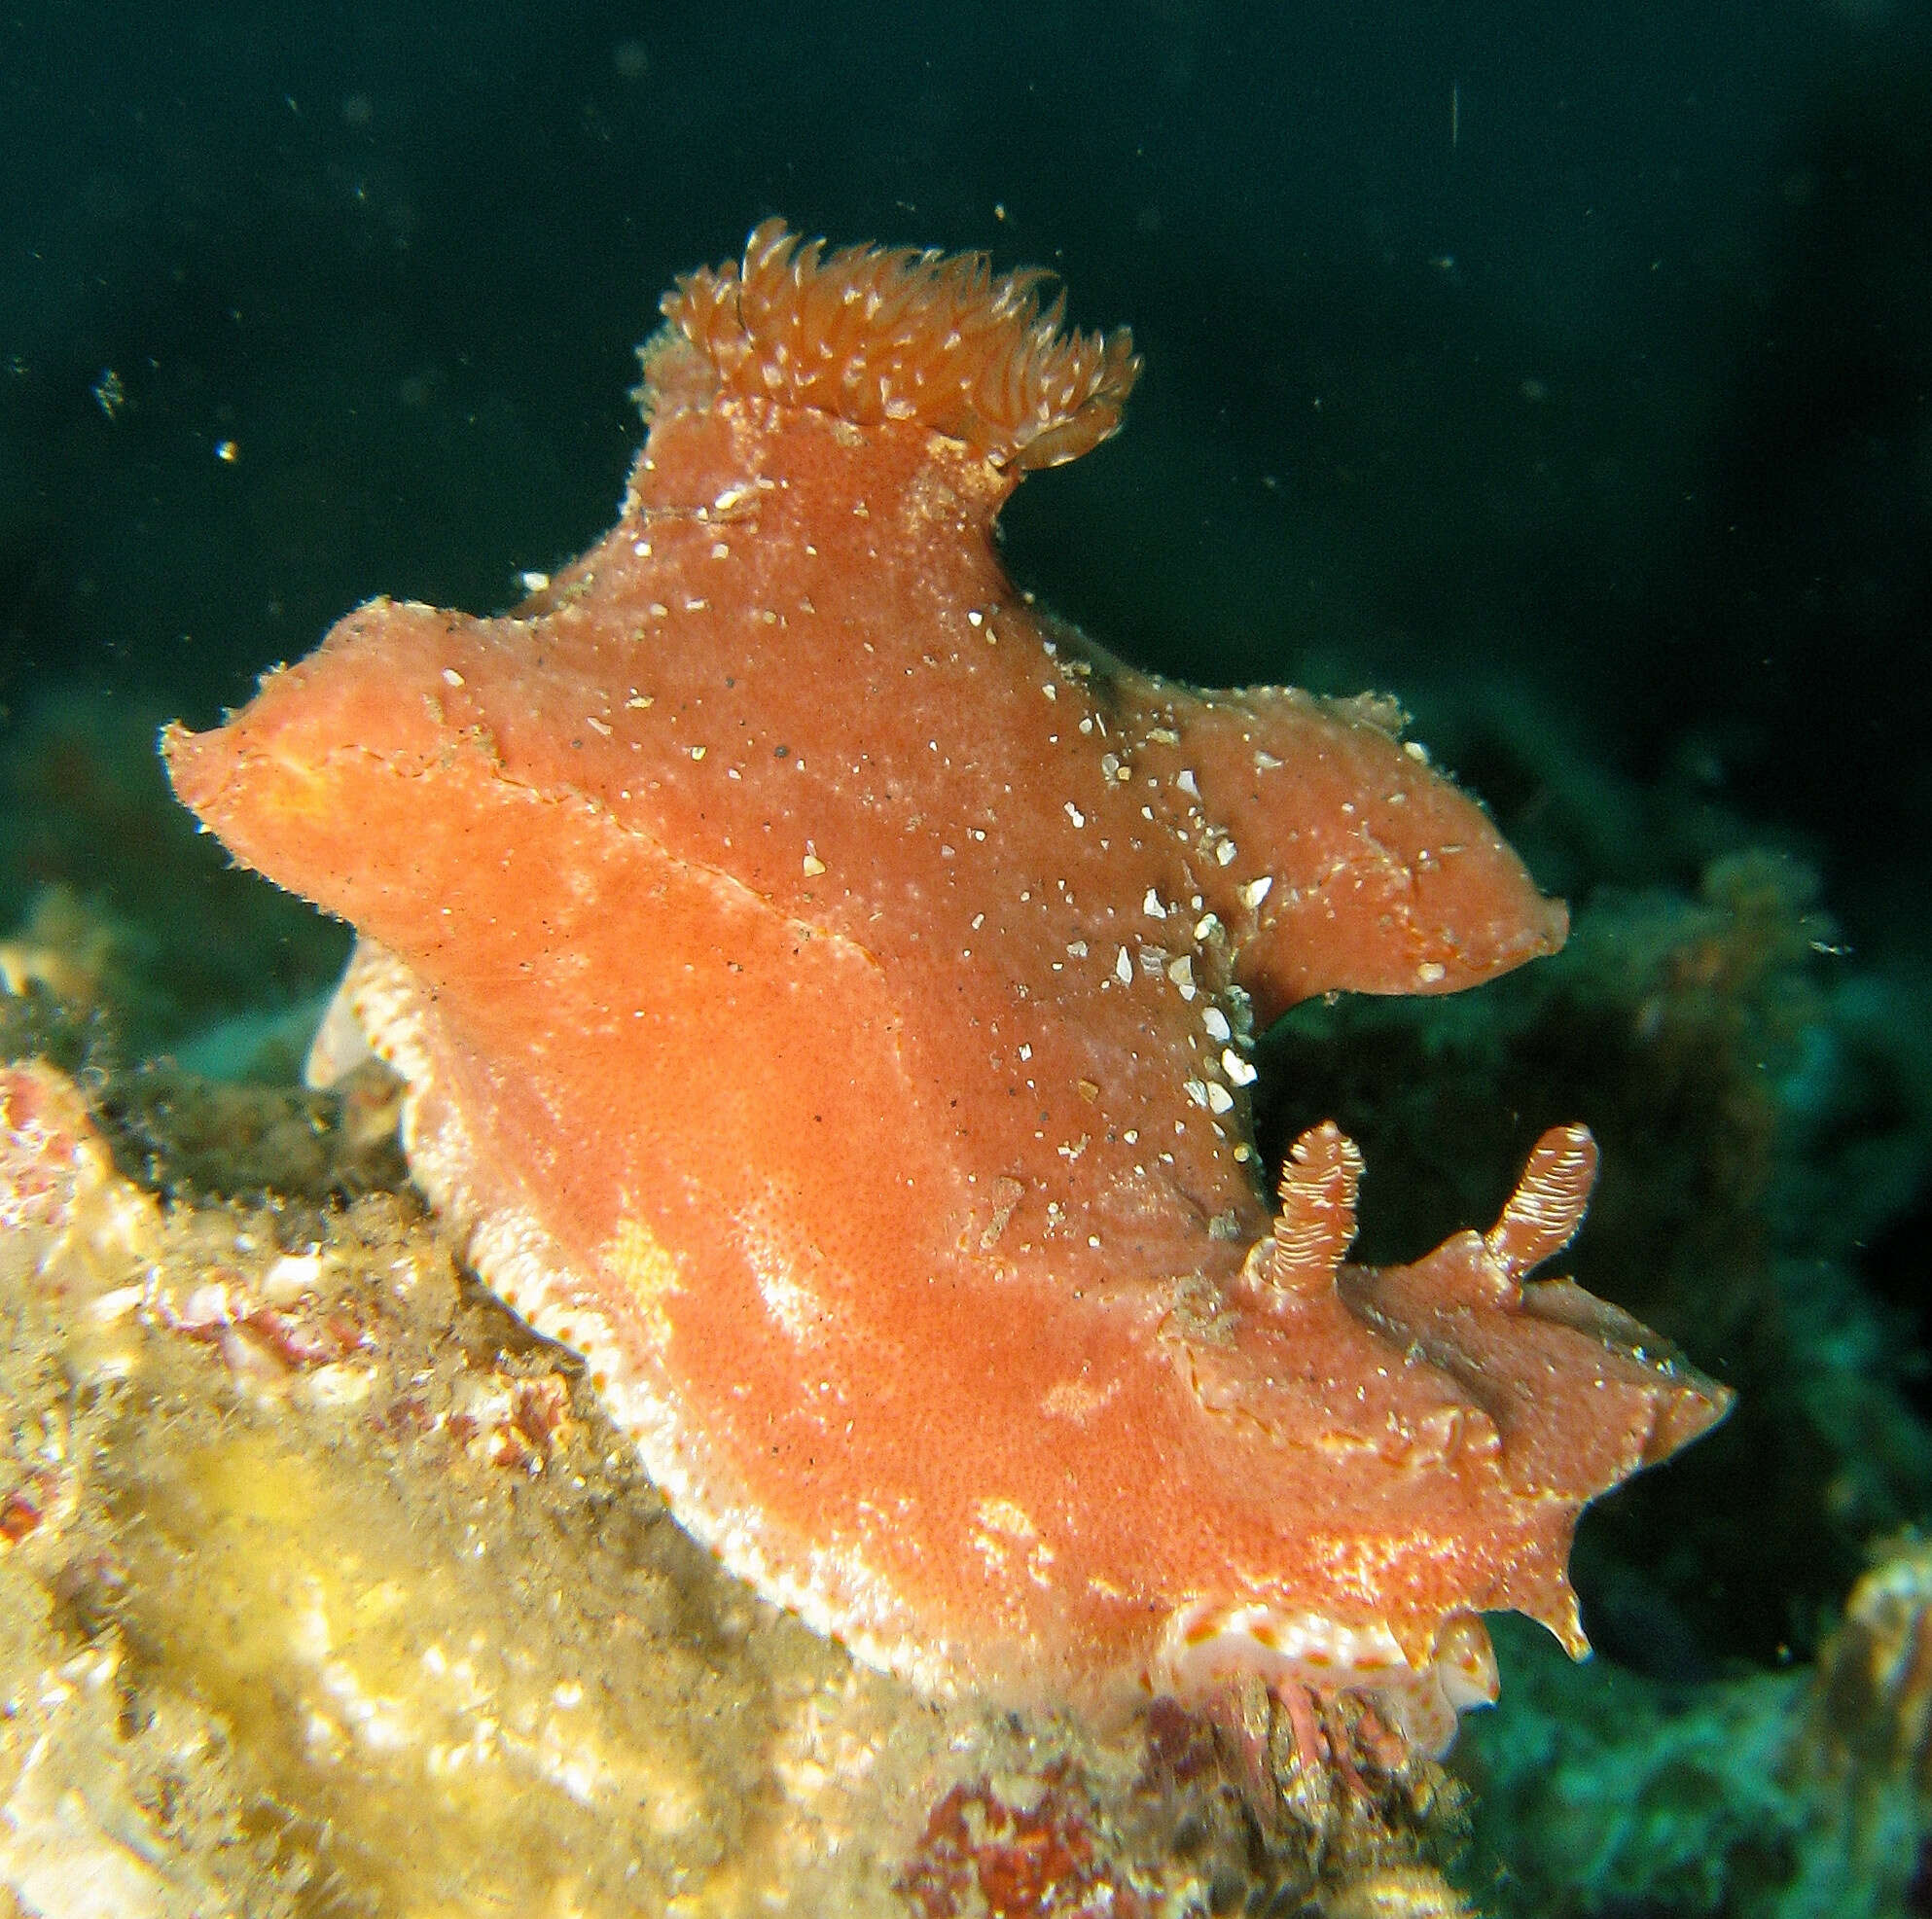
(825, 986)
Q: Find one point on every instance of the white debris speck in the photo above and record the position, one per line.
(813, 866)
(597, 725)
(720, 550)
(698, 753)
(451, 676)
(290, 1277)
(1074, 813)
(1237, 1068)
(1205, 926)
(1026, 1053)
(1123, 968)
(1051, 690)
(1184, 779)
(1196, 1090)
(1152, 906)
(974, 617)
(1225, 853)
(1216, 1022)
(641, 547)
(1432, 972)
(108, 1307)
(1416, 751)
(1257, 890)
(1181, 973)
(1218, 1098)
(335, 1388)
(533, 581)
(1076, 948)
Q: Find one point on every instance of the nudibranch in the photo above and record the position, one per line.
(825, 988)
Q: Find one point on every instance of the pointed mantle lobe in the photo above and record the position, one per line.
(825, 986)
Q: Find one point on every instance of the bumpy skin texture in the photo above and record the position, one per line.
(823, 983)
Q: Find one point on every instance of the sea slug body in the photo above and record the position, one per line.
(825, 986)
